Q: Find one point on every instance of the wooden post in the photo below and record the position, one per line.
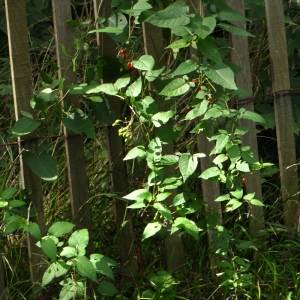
(22, 91)
(78, 181)
(153, 40)
(283, 111)
(210, 189)
(2, 282)
(115, 145)
(240, 56)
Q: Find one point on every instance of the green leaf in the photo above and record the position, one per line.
(11, 226)
(85, 268)
(198, 110)
(161, 118)
(60, 228)
(209, 49)
(79, 240)
(185, 68)
(122, 82)
(249, 196)
(44, 166)
(102, 265)
(180, 43)
(47, 95)
(8, 193)
(169, 160)
(234, 152)
(80, 123)
(202, 26)
(151, 75)
(231, 15)
(34, 230)
(187, 166)
(176, 87)
(256, 202)
(102, 110)
(168, 134)
(145, 63)
(68, 252)
(108, 88)
(45, 77)
(222, 140)
(223, 198)
(115, 30)
(25, 126)
(234, 29)
(233, 204)
(137, 205)
(174, 15)
(163, 210)
(210, 173)
(106, 288)
(49, 248)
(16, 203)
(238, 193)
(68, 292)
(151, 229)
(242, 166)
(188, 225)
(222, 75)
(138, 151)
(162, 196)
(3, 203)
(241, 130)
(250, 115)
(249, 157)
(135, 88)
(139, 195)
(220, 159)
(179, 199)
(55, 270)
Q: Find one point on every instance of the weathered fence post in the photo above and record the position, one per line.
(78, 181)
(22, 91)
(153, 40)
(283, 111)
(2, 282)
(240, 56)
(115, 145)
(210, 189)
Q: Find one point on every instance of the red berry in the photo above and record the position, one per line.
(231, 211)
(224, 207)
(177, 167)
(130, 66)
(194, 80)
(122, 52)
(209, 99)
(187, 109)
(244, 180)
(133, 72)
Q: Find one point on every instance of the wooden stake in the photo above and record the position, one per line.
(283, 112)
(22, 91)
(240, 56)
(78, 181)
(115, 145)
